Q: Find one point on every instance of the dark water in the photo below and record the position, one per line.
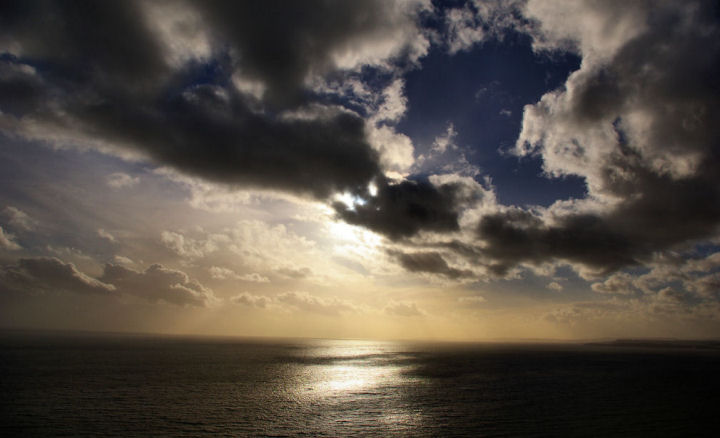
(81, 385)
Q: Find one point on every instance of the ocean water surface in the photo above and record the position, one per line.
(132, 385)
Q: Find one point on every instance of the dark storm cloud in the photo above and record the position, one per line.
(403, 209)
(98, 72)
(428, 262)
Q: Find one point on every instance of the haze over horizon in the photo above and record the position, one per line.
(378, 169)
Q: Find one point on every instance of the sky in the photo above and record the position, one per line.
(520, 169)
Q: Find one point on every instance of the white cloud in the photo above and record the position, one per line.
(251, 300)
(310, 303)
(159, 283)
(119, 180)
(50, 275)
(446, 140)
(480, 20)
(122, 260)
(220, 273)
(396, 149)
(7, 241)
(156, 283)
(189, 247)
(554, 285)
(106, 235)
(472, 300)
(298, 301)
(18, 219)
(403, 308)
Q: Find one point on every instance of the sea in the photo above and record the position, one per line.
(111, 385)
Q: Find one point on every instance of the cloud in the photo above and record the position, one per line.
(120, 180)
(395, 149)
(18, 219)
(219, 89)
(50, 275)
(294, 273)
(442, 142)
(281, 44)
(554, 285)
(106, 235)
(189, 247)
(303, 301)
(219, 273)
(619, 283)
(400, 210)
(480, 20)
(472, 300)
(122, 260)
(158, 283)
(310, 303)
(251, 300)
(403, 308)
(429, 262)
(636, 121)
(7, 241)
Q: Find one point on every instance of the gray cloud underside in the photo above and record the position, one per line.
(656, 214)
(52, 275)
(103, 76)
(429, 262)
(403, 209)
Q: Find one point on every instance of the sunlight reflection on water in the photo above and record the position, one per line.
(358, 381)
(342, 368)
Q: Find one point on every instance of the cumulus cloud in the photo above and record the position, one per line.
(224, 91)
(50, 275)
(554, 285)
(636, 121)
(122, 260)
(218, 89)
(253, 97)
(106, 235)
(18, 219)
(251, 300)
(402, 209)
(473, 300)
(188, 247)
(429, 262)
(158, 283)
(294, 301)
(403, 308)
(311, 303)
(294, 273)
(7, 241)
(619, 283)
(119, 180)
(479, 20)
(220, 273)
